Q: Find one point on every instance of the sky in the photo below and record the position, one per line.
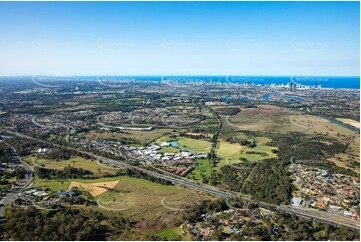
(180, 38)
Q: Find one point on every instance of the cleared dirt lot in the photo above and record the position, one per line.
(95, 189)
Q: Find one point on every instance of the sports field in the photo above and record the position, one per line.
(195, 145)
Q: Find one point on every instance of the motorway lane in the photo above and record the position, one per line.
(326, 217)
(166, 178)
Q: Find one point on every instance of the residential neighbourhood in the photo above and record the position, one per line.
(319, 189)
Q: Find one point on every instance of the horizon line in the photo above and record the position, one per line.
(183, 75)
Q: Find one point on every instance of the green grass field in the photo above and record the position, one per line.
(77, 162)
(195, 145)
(174, 233)
(203, 167)
(169, 150)
(164, 139)
(146, 199)
(225, 149)
(156, 208)
(234, 152)
(135, 198)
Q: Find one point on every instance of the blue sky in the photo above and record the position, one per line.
(180, 38)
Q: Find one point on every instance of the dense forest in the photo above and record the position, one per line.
(69, 224)
(265, 180)
(59, 154)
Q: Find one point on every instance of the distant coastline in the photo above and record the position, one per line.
(325, 81)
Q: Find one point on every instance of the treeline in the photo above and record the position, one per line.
(192, 136)
(140, 174)
(59, 154)
(243, 142)
(68, 172)
(122, 140)
(5, 154)
(201, 117)
(228, 111)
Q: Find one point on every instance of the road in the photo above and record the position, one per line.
(15, 190)
(321, 216)
(303, 212)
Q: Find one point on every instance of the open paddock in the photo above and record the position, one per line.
(268, 118)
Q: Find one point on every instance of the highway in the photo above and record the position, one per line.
(163, 177)
(321, 216)
(303, 212)
(15, 190)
